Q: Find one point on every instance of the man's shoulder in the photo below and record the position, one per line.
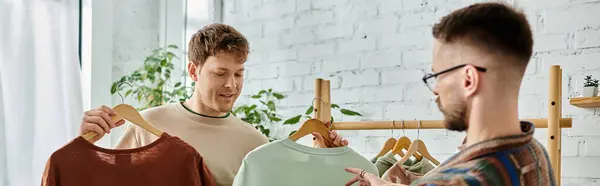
(247, 128)
(158, 111)
(161, 116)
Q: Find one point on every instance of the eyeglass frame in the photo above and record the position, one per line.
(435, 75)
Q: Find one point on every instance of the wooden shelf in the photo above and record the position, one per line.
(585, 102)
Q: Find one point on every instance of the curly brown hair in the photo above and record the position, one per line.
(217, 38)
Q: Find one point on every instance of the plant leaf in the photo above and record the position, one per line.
(276, 119)
(335, 106)
(149, 69)
(350, 113)
(252, 107)
(255, 96)
(266, 114)
(258, 120)
(169, 56)
(309, 110)
(271, 105)
(113, 88)
(239, 109)
(172, 46)
(278, 95)
(270, 90)
(292, 132)
(163, 62)
(292, 120)
(177, 84)
(262, 92)
(128, 92)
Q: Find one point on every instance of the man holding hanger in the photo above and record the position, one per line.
(217, 54)
(480, 55)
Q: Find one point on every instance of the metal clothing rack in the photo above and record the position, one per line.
(554, 122)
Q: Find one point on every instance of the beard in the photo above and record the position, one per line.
(455, 115)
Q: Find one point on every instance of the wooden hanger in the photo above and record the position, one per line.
(403, 143)
(387, 146)
(310, 126)
(125, 111)
(418, 146)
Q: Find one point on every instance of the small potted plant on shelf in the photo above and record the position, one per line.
(590, 87)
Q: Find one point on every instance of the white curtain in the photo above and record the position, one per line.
(40, 87)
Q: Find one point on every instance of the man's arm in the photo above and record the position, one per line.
(478, 175)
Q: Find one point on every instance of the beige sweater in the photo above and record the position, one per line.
(223, 142)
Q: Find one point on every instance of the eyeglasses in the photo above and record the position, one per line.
(431, 81)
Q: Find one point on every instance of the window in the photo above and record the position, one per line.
(85, 50)
(199, 13)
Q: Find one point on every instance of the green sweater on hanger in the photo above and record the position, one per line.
(386, 161)
(285, 162)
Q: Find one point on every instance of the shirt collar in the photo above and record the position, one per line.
(492, 145)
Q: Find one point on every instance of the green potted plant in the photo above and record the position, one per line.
(590, 87)
(152, 84)
(265, 117)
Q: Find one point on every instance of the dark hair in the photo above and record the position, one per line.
(214, 39)
(493, 26)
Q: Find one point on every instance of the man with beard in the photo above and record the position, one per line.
(480, 55)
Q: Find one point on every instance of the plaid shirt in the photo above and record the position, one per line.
(512, 160)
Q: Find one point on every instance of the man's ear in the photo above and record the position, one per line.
(192, 71)
(471, 80)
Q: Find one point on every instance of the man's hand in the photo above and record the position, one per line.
(337, 140)
(367, 179)
(98, 120)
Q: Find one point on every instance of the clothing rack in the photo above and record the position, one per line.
(554, 122)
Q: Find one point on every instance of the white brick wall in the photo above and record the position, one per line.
(375, 53)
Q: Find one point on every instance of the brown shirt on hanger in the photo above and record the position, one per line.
(166, 161)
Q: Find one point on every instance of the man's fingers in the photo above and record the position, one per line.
(108, 110)
(317, 136)
(98, 121)
(344, 142)
(104, 116)
(371, 178)
(332, 134)
(353, 180)
(337, 139)
(368, 178)
(92, 127)
(119, 123)
(353, 170)
(320, 140)
(327, 124)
